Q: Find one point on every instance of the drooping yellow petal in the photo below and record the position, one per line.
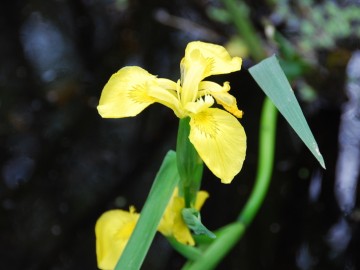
(220, 140)
(217, 57)
(113, 230)
(126, 93)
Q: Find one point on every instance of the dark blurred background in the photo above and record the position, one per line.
(62, 165)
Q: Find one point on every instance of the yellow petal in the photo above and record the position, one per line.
(208, 87)
(126, 93)
(166, 93)
(167, 220)
(201, 197)
(193, 70)
(221, 95)
(172, 223)
(229, 103)
(180, 231)
(113, 230)
(217, 57)
(220, 141)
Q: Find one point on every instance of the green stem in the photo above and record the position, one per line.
(190, 165)
(266, 162)
(239, 14)
(220, 247)
(189, 252)
(232, 233)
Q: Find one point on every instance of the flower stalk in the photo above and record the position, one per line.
(190, 165)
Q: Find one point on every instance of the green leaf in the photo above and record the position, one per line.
(161, 191)
(192, 219)
(272, 80)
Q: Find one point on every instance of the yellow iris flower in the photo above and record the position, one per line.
(114, 228)
(216, 134)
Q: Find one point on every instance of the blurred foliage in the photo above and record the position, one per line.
(318, 25)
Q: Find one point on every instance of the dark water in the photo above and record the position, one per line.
(62, 165)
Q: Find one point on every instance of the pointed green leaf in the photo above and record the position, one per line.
(272, 80)
(163, 187)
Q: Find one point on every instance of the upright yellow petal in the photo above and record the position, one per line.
(218, 58)
(220, 140)
(113, 230)
(193, 70)
(126, 93)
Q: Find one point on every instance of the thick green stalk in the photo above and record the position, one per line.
(239, 14)
(190, 165)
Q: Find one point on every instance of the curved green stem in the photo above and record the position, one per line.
(220, 247)
(266, 162)
(189, 252)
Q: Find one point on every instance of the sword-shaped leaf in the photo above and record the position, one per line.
(270, 77)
